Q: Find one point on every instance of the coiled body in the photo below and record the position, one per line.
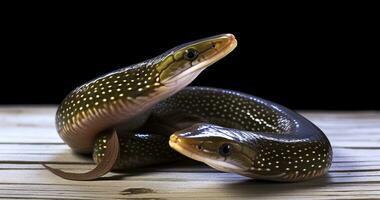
(281, 145)
(125, 118)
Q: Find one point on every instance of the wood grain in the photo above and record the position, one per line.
(28, 138)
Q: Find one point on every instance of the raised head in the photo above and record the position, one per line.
(182, 64)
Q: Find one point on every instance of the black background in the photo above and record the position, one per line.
(314, 59)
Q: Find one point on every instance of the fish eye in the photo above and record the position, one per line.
(225, 149)
(191, 54)
(199, 147)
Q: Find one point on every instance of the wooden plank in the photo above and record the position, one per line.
(28, 138)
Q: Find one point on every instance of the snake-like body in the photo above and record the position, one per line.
(125, 118)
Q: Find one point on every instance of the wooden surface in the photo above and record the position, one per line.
(28, 138)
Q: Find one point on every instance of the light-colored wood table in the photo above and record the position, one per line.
(28, 138)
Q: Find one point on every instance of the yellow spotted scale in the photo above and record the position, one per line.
(144, 114)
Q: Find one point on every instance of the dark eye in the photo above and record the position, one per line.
(225, 150)
(191, 54)
(199, 147)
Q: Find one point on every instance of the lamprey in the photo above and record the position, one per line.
(126, 118)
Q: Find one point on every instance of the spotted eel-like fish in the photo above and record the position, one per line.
(126, 118)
